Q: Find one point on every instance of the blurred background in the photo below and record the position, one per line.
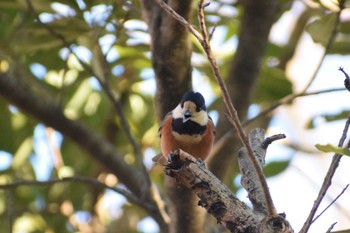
(114, 32)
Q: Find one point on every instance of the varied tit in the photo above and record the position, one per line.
(188, 127)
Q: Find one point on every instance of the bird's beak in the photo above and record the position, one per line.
(187, 116)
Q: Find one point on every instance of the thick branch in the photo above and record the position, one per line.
(99, 149)
(218, 200)
(249, 177)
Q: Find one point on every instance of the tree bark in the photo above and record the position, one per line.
(219, 201)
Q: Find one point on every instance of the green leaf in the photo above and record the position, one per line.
(328, 118)
(343, 231)
(272, 85)
(321, 29)
(341, 45)
(331, 148)
(275, 167)
(22, 154)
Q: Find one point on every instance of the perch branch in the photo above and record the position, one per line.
(218, 200)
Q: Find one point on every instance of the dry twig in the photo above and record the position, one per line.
(330, 204)
(327, 180)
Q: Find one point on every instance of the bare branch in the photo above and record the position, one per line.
(331, 228)
(223, 140)
(330, 204)
(327, 180)
(249, 179)
(267, 141)
(218, 200)
(213, 194)
(232, 111)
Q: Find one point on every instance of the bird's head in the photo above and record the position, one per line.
(192, 107)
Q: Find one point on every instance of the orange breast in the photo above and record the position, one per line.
(199, 149)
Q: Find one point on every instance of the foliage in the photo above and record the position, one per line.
(59, 49)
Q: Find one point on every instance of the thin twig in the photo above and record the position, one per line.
(327, 180)
(312, 182)
(331, 228)
(267, 141)
(336, 158)
(291, 97)
(222, 141)
(212, 32)
(341, 193)
(82, 179)
(232, 111)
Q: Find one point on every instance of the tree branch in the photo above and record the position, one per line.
(99, 149)
(327, 180)
(81, 179)
(255, 25)
(218, 200)
(249, 178)
(330, 204)
(227, 136)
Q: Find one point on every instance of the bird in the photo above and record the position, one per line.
(187, 127)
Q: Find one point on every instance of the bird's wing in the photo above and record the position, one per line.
(211, 121)
(161, 124)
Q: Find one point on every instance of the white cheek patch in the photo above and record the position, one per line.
(198, 117)
(201, 117)
(177, 112)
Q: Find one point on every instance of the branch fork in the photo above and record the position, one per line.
(218, 199)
